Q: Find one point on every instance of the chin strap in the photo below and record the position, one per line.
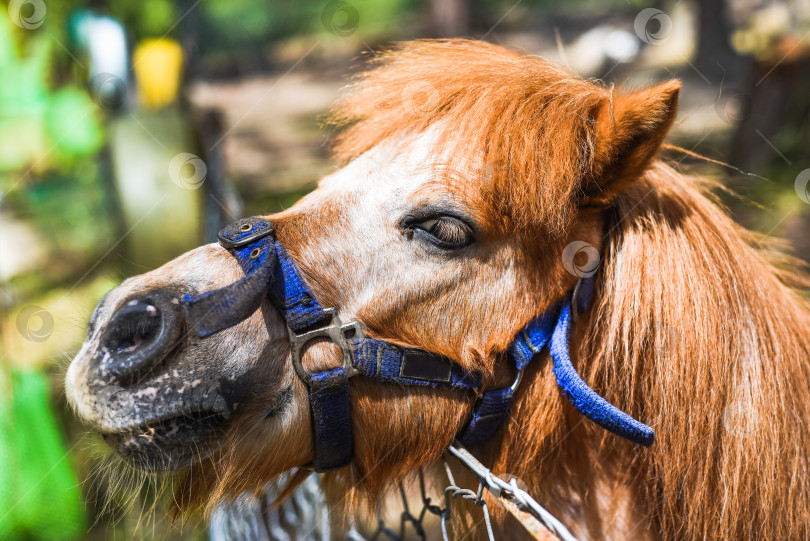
(270, 273)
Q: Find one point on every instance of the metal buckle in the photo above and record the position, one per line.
(341, 335)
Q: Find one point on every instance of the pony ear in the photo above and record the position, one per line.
(629, 130)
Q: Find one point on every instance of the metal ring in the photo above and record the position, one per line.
(516, 382)
(244, 228)
(255, 253)
(336, 332)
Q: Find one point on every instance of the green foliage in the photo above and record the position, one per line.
(147, 18)
(250, 25)
(69, 209)
(39, 492)
(71, 124)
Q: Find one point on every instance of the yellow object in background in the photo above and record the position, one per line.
(158, 65)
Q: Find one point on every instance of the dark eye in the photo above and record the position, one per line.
(445, 232)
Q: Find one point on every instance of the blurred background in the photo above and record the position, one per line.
(131, 130)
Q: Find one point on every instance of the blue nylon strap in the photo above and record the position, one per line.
(243, 232)
(221, 308)
(585, 399)
(393, 364)
(584, 294)
(491, 410)
(291, 295)
(330, 414)
(271, 272)
(533, 338)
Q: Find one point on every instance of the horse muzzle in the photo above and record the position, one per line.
(155, 411)
(139, 336)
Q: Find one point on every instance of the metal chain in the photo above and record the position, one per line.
(305, 515)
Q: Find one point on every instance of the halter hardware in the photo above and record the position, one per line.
(342, 335)
(250, 229)
(271, 274)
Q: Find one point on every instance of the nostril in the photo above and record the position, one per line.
(139, 336)
(137, 324)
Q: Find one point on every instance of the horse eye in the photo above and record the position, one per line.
(445, 232)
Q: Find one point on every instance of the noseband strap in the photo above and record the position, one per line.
(271, 274)
(251, 242)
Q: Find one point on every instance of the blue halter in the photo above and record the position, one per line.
(271, 273)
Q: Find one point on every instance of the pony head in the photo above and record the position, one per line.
(466, 171)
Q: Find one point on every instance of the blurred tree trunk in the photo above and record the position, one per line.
(775, 130)
(448, 18)
(716, 58)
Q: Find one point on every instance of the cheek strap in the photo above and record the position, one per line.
(553, 329)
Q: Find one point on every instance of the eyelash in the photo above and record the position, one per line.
(446, 232)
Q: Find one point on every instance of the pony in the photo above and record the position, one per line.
(465, 171)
